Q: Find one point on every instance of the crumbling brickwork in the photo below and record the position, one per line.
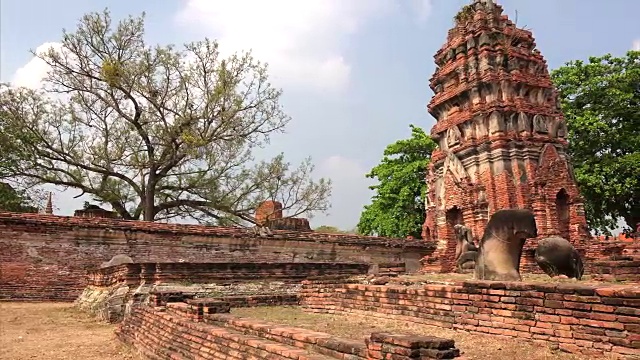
(221, 272)
(575, 318)
(500, 133)
(44, 257)
(270, 214)
(187, 330)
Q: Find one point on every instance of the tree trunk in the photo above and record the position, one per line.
(149, 212)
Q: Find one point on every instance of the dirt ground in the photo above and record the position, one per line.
(54, 331)
(356, 327)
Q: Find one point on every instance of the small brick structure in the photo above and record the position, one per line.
(203, 329)
(270, 214)
(575, 318)
(501, 136)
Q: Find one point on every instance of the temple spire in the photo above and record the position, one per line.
(49, 208)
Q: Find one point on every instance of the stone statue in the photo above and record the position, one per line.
(502, 242)
(117, 260)
(556, 256)
(453, 136)
(540, 124)
(466, 250)
(524, 124)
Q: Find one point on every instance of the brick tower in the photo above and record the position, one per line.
(500, 133)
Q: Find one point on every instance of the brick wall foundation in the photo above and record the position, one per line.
(186, 331)
(212, 273)
(575, 318)
(44, 257)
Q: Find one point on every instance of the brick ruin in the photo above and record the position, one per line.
(269, 214)
(46, 257)
(581, 319)
(500, 134)
(501, 145)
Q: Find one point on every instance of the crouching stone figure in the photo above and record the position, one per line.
(502, 242)
(466, 250)
(556, 256)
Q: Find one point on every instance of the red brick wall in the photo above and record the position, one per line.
(576, 318)
(47, 257)
(175, 332)
(210, 273)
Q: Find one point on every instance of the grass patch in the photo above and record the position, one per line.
(56, 331)
(473, 346)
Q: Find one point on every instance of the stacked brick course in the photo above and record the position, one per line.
(210, 273)
(270, 214)
(182, 331)
(575, 318)
(44, 257)
(501, 136)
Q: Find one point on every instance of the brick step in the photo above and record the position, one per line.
(162, 336)
(319, 342)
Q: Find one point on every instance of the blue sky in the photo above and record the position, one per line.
(354, 72)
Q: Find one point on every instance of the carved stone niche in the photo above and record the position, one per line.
(480, 123)
(524, 123)
(438, 88)
(541, 97)
(453, 136)
(471, 43)
(467, 130)
(561, 130)
(507, 90)
(511, 123)
(472, 65)
(540, 124)
(496, 123)
(484, 40)
(476, 97)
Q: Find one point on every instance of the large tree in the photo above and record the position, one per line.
(601, 102)
(155, 131)
(397, 208)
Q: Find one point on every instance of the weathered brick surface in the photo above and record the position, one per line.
(576, 318)
(501, 136)
(622, 268)
(185, 331)
(45, 257)
(211, 273)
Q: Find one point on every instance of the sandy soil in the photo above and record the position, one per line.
(56, 331)
(357, 327)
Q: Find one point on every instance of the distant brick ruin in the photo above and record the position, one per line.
(500, 134)
(269, 214)
(94, 211)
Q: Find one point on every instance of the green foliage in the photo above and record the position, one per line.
(154, 131)
(397, 208)
(601, 102)
(329, 229)
(15, 201)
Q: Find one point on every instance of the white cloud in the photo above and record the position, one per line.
(636, 45)
(32, 73)
(350, 191)
(303, 41)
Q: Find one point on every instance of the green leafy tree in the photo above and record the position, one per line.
(155, 131)
(397, 208)
(601, 102)
(328, 229)
(16, 200)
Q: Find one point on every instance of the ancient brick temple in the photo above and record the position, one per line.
(500, 132)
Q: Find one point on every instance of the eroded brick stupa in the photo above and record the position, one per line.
(501, 136)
